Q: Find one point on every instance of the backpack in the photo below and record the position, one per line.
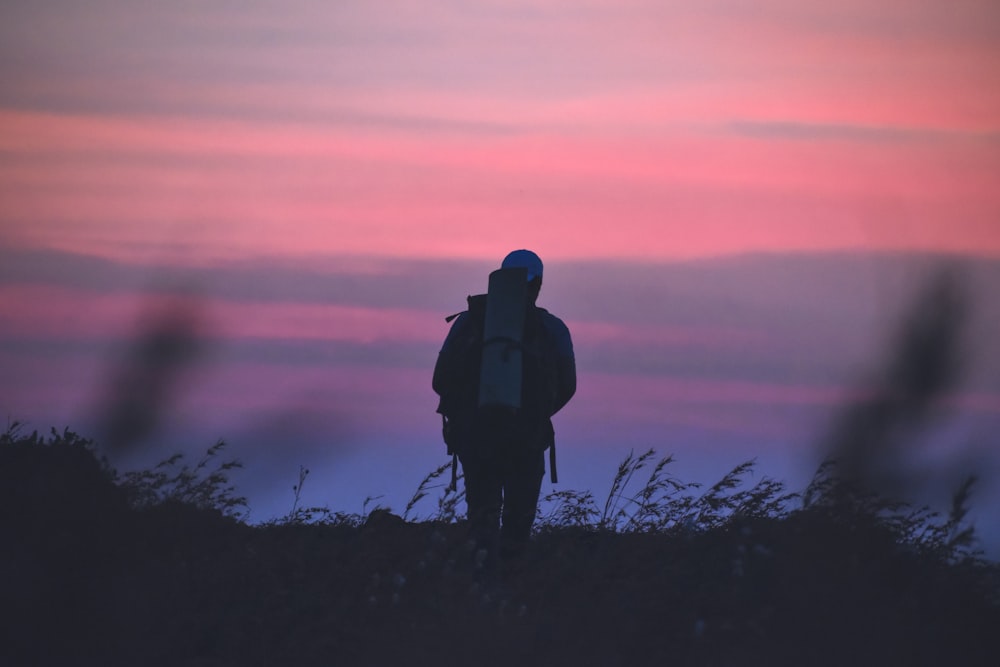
(464, 423)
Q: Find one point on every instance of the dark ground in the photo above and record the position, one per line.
(89, 579)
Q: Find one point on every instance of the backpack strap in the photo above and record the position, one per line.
(454, 456)
(552, 463)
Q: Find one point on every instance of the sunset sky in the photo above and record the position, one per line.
(735, 202)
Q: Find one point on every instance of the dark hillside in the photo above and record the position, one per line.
(155, 569)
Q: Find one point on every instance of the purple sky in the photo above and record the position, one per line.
(735, 201)
(715, 361)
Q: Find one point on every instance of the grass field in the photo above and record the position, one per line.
(156, 568)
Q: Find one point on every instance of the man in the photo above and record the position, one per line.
(502, 454)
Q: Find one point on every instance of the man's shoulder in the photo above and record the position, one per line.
(551, 320)
(559, 332)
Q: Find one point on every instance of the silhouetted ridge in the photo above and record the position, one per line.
(144, 569)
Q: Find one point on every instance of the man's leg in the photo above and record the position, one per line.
(523, 485)
(483, 497)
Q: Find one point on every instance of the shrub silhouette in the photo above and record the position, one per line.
(156, 568)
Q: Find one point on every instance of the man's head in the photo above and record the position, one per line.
(525, 259)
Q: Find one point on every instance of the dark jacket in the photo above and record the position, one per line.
(457, 370)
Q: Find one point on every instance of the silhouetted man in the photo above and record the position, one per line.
(501, 450)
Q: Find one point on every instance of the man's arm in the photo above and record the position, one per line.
(567, 381)
(565, 361)
(444, 371)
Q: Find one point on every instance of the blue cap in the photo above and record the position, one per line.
(524, 259)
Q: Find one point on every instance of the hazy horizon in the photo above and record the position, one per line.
(715, 361)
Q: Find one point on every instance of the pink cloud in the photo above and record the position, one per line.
(294, 190)
(649, 392)
(41, 312)
(324, 322)
(631, 129)
(632, 335)
(55, 313)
